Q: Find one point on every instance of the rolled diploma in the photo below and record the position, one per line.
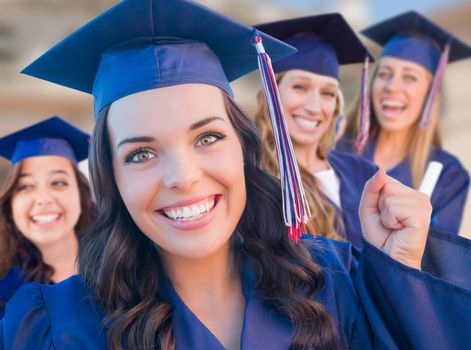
(431, 176)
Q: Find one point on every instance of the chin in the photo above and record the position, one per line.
(195, 250)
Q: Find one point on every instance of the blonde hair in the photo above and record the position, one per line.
(326, 221)
(420, 141)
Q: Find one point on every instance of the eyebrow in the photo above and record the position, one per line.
(332, 85)
(136, 139)
(309, 80)
(204, 122)
(404, 68)
(411, 69)
(300, 77)
(52, 172)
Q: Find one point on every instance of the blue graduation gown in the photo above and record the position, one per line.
(8, 285)
(448, 198)
(375, 302)
(353, 173)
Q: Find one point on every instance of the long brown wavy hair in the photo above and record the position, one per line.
(15, 248)
(326, 221)
(420, 141)
(123, 266)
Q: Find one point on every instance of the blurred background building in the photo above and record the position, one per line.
(29, 27)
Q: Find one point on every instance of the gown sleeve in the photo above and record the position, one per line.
(26, 324)
(449, 198)
(412, 309)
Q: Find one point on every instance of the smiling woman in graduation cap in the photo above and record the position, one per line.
(45, 200)
(190, 249)
(308, 82)
(404, 132)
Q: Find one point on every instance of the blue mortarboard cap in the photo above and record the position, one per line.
(411, 36)
(143, 44)
(51, 137)
(324, 43)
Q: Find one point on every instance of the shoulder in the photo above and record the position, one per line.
(351, 162)
(452, 167)
(446, 158)
(10, 282)
(61, 315)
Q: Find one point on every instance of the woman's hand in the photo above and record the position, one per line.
(395, 218)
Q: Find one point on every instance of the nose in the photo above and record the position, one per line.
(312, 103)
(43, 197)
(392, 84)
(182, 170)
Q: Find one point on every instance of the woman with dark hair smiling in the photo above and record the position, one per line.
(190, 249)
(45, 201)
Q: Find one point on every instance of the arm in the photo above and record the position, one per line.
(414, 308)
(449, 199)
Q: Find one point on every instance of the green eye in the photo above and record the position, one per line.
(140, 156)
(209, 138)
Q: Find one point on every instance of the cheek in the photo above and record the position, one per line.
(72, 201)
(290, 100)
(135, 188)
(20, 207)
(418, 93)
(329, 108)
(228, 170)
(376, 89)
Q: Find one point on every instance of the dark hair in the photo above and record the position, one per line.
(15, 248)
(123, 266)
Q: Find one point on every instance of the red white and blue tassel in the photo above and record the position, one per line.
(363, 133)
(295, 208)
(436, 84)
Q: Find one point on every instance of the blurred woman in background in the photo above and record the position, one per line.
(404, 133)
(312, 101)
(45, 201)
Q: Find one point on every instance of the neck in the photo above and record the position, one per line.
(211, 289)
(307, 157)
(202, 279)
(61, 255)
(391, 148)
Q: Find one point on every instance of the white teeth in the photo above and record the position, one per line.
(394, 104)
(186, 212)
(191, 212)
(308, 123)
(195, 210)
(41, 219)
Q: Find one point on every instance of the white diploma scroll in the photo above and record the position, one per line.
(431, 176)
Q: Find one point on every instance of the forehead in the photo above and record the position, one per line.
(298, 74)
(165, 109)
(45, 164)
(398, 63)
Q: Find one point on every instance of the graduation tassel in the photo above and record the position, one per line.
(437, 82)
(362, 137)
(295, 208)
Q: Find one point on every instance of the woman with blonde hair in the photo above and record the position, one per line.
(404, 131)
(312, 101)
(45, 202)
